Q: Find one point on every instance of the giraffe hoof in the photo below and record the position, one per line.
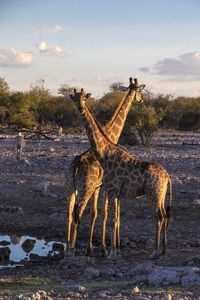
(88, 252)
(70, 252)
(119, 253)
(112, 255)
(164, 253)
(104, 252)
(155, 254)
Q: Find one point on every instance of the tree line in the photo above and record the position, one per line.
(38, 108)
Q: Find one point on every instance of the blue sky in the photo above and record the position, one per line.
(92, 44)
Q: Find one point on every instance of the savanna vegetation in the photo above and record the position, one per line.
(37, 108)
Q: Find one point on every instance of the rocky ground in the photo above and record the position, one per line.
(33, 202)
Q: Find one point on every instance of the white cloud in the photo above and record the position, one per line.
(55, 51)
(52, 29)
(16, 59)
(41, 46)
(187, 64)
(185, 67)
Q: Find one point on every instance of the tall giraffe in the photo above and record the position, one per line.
(88, 174)
(127, 177)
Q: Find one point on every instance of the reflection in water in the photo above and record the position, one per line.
(5, 256)
(28, 245)
(15, 239)
(22, 248)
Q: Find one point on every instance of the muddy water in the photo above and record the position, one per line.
(15, 250)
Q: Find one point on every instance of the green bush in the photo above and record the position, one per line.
(144, 120)
(38, 107)
(105, 107)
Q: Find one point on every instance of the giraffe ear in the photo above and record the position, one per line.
(71, 96)
(141, 87)
(88, 95)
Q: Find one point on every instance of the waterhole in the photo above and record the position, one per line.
(15, 250)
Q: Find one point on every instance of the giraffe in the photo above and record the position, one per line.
(88, 174)
(127, 177)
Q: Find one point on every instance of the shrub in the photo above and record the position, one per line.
(145, 120)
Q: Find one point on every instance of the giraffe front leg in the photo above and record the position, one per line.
(79, 209)
(94, 212)
(114, 220)
(118, 229)
(69, 222)
(103, 225)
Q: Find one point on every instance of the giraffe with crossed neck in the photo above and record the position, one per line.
(126, 177)
(87, 175)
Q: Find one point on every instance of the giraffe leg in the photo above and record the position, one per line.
(164, 217)
(79, 211)
(165, 223)
(103, 225)
(94, 212)
(164, 235)
(118, 228)
(114, 220)
(69, 222)
(159, 222)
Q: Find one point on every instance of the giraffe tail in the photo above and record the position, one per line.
(168, 209)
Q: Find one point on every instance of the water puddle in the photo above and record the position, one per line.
(15, 250)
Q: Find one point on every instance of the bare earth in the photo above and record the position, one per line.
(33, 202)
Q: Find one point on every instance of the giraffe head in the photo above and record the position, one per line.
(134, 87)
(79, 99)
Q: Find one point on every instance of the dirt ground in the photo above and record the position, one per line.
(33, 202)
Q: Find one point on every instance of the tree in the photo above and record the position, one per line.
(65, 90)
(4, 88)
(114, 87)
(4, 97)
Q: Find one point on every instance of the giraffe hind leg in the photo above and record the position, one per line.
(114, 219)
(103, 225)
(94, 212)
(159, 221)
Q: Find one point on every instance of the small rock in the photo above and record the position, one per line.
(192, 279)
(196, 201)
(135, 290)
(143, 268)
(164, 276)
(43, 293)
(81, 289)
(58, 247)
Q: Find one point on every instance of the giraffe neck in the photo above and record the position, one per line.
(95, 134)
(115, 126)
